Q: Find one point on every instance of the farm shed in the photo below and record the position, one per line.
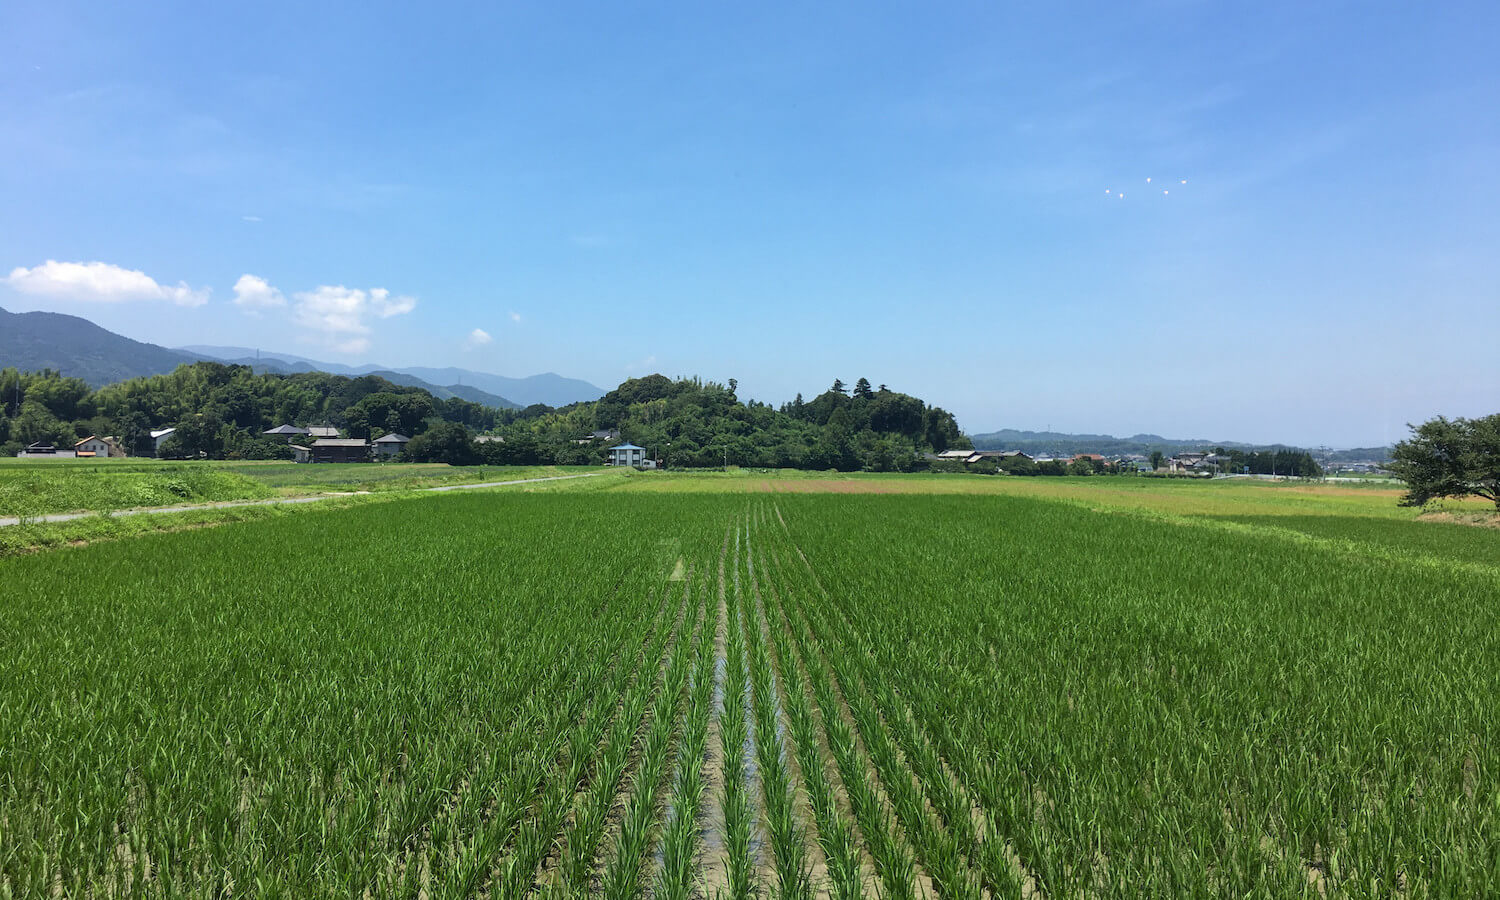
(390, 445)
(322, 431)
(301, 454)
(43, 450)
(340, 450)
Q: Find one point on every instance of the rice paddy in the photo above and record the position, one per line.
(635, 693)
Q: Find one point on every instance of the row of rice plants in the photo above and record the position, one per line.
(581, 840)
(622, 878)
(788, 841)
(734, 747)
(332, 704)
(950, 845)
(681, 839)
(516, 876)
(888, 847)
(835, 832)
(1253, 715)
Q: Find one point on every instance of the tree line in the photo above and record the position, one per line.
(691, 422)
(220, 411)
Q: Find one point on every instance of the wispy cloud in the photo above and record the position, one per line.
(477, 338)
(251, 219)
(515, 316)
(99, 282)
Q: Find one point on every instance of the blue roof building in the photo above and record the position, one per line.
(626, 455)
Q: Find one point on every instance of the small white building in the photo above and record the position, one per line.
(627, 455)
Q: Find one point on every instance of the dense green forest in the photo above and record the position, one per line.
(691, 422)
(219, 411)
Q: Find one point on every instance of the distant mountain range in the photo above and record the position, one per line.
(78, 348)
(1057, 442)
(548, 388)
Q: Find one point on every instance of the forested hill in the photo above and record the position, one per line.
(34, 341)
(691, 422)
(218, 410)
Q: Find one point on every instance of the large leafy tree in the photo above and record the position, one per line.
(1450, 458)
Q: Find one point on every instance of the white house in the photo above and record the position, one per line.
(627, 455)
(98, 447)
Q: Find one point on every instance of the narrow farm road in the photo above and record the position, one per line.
(231, 504)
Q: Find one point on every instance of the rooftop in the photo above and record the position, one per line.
(393, 438)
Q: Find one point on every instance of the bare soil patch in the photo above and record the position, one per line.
(831, 486)
(1477, 519)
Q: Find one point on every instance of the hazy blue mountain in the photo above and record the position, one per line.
(277, 366)
(1058, 442)
(548, 388)
(78, 348)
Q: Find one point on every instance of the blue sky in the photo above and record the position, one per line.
(914, 193)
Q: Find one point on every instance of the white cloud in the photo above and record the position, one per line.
(340, 316)
(251, 292)
(99, 282)
(250, 219)
(477, 338)
(515, 316)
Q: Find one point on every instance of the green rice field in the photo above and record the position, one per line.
(38, 487)
(747, 687)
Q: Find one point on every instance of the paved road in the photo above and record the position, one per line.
(231, 504)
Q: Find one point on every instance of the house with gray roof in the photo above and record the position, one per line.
(340, 450)
(389, 445)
